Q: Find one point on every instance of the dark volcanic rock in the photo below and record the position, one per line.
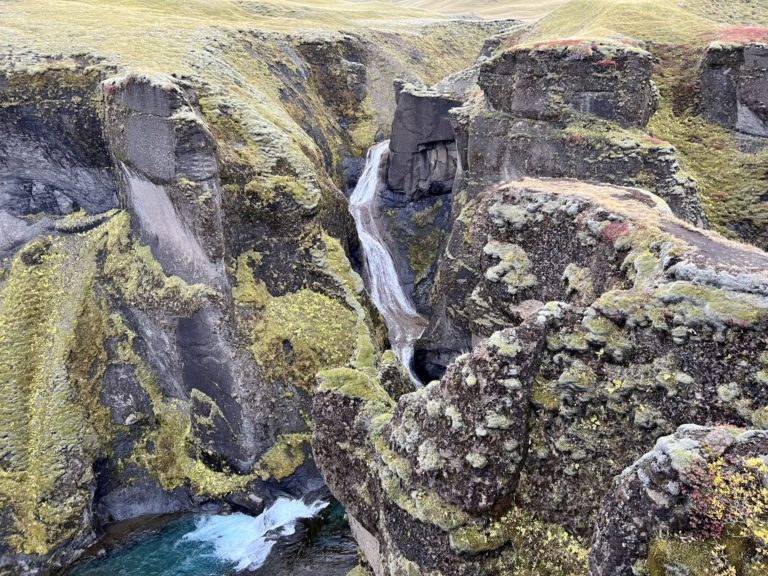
(734, 87)
(53, 155)
(598, 322)
(547, 80)
(422, 157)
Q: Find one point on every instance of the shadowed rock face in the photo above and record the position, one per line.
(544, 82)
(734, 87)
(53, 157)
(626, 323)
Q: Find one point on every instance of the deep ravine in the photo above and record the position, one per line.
(404, 323)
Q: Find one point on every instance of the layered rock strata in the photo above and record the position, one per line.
(734, 86)
(597, 322)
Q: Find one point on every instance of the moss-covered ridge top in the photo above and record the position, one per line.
(705, 248)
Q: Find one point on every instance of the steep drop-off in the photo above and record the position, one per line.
(175, 240)
(581, 311)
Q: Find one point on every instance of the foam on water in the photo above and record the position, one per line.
(203, 545)
(246, 541)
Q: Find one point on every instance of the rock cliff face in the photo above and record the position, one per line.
(183, 328)
(174, 274)
(626, 322)
(561, 109)
(734, 83)
(422, 158)
(612, 82)
(579, 311)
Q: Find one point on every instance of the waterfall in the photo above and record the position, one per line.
(404, 324)
(245, 541)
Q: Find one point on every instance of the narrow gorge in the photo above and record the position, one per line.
(356, 288)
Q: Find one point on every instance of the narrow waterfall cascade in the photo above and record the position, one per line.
(404, 323)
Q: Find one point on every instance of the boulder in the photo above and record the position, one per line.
(666, 512)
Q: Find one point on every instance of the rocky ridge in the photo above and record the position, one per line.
(579, 311)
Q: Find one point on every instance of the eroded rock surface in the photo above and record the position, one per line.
(542, 83)
(695, 487)
(175, 272)
(422, 158)
(627, 323)
(734, 87)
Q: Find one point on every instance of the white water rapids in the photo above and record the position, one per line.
(246, 541)
(404, 324)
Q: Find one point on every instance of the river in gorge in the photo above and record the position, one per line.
(291, 537)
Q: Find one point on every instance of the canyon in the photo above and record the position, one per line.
(494, 282)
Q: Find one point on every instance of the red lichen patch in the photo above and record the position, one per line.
(613, 231)
(727, 492)
(743, 34)
(653, 141)
(575, 140)
(609, 63)
(559, 43)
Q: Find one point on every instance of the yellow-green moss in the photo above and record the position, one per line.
(52, 359)
(301, 333)
(423, 252)
(285, 456)
(247, 290)
(536, 547)
(335, 262)
(353, 383)
(338, 263)
(670, 556)
(169, 454)
(138, 279)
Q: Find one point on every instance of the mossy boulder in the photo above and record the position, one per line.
(695, 504)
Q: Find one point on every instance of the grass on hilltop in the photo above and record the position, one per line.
(659, 21)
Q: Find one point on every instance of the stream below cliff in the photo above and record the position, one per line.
(404, 323)
(290, 538)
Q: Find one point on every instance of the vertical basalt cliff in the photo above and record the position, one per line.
(581, 312)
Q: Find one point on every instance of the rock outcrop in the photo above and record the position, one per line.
(422, 157)
(598, 322)
(734, 86)
(669, 509)
(561, 110)
(544, 82)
